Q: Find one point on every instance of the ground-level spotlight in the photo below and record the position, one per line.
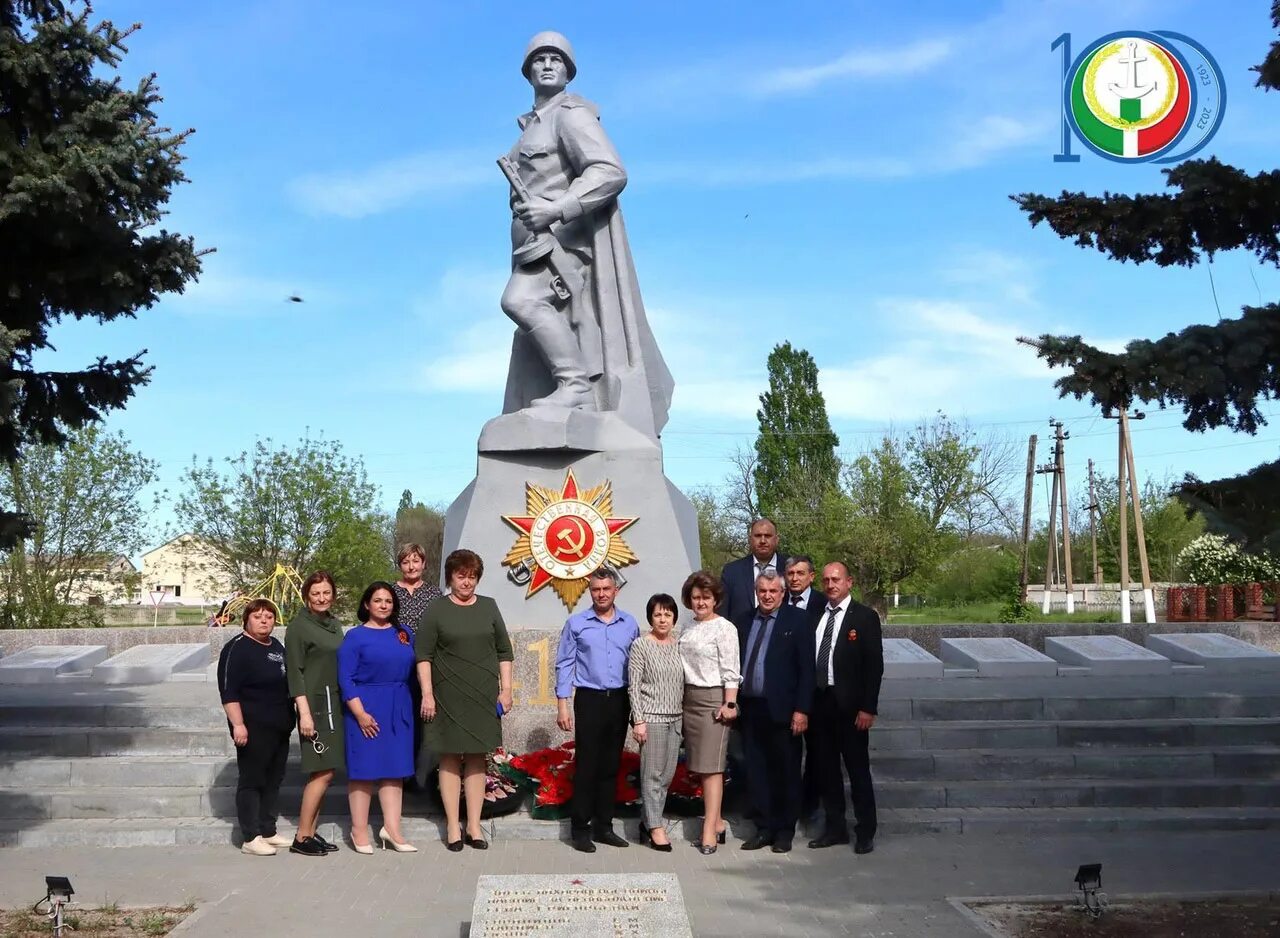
(58, 893)
(1089, 882)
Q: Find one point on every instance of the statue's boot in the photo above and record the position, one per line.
(558, 346)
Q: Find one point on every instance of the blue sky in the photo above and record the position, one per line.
(836, 175)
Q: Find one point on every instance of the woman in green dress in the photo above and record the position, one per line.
(311, 661)
(464, 667)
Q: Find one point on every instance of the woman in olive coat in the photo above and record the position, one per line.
(311, 654)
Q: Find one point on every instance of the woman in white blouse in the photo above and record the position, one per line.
(709, 653)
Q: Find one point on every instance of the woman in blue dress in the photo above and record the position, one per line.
(374, 664)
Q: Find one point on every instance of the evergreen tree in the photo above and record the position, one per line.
(796, 448)
(85, 170)
(1217, 373)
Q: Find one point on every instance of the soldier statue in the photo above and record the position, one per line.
(582, 341)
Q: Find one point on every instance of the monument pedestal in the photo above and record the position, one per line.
(522, 448)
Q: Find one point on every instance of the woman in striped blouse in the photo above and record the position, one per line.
(655, 683)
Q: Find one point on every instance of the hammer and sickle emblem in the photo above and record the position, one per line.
(571, 547)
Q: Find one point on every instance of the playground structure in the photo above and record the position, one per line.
(283, 589)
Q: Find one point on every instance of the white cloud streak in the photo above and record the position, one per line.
(887, 62)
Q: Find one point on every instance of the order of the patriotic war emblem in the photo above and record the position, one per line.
(564, 536)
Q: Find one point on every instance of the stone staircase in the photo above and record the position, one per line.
(81, 764)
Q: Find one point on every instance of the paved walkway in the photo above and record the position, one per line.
(897, 892)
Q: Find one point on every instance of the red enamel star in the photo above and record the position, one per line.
(565, 535)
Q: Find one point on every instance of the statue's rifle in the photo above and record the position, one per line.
(564, 281)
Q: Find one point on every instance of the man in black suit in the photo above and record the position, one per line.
(799, 575)
(739, 576)
(776, 645)
(849, 667)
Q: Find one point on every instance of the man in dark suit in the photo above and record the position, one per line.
(739, 576)
(799, 575)
(849, 667)
(776, 645)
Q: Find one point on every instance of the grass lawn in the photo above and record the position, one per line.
(990, 612)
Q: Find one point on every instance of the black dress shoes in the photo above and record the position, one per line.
(329, 848)
(757, 842)
(781, 845)
(609, 839)
(309, 847)
(828, 840)
(582, 842)
(863, 846)
(476, 843)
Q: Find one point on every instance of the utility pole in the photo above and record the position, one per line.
(1051, 551)
(1126, 477)
(1148, 597)
(1061, 480)
(1093, 530)
(1026, 515)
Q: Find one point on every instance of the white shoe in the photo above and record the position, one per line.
(258, 847)
(278, 840)
(386, 840)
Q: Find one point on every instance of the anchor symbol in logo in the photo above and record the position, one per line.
(1133, 89)
(573, 548)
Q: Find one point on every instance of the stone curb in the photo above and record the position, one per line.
(189, 923)
(961, 903)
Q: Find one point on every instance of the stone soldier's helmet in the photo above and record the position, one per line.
(555, 42)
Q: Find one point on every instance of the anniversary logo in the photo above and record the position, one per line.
(564, 536)
(1136, 97)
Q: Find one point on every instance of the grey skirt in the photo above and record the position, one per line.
(706, 740)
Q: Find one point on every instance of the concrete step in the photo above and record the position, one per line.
(1145, 707)
(1262, 762)
(1080, 793)
(1039, 734)
(192, 801)
(112, 741)
(113, 715)
(426, 833)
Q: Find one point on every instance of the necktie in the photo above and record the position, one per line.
(749, 676)
(824, 648)
(795, 599)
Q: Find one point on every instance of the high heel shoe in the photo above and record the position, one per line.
(720, 835)
(705, 849)
(398, 848)
(646, 838)
(365, 849)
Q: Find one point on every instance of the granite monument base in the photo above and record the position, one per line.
(523, 448)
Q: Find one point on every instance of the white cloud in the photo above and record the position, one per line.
(392, 184)
(475, 359)
(885, 62)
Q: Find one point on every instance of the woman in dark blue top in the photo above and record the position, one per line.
(374, 664)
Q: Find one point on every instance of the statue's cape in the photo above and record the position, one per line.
(614, 335)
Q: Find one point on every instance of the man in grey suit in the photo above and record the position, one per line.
(799, 574)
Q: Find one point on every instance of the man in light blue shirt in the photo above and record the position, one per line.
(591, 669)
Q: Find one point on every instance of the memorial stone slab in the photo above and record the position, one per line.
(1106, 655)
(903, 658)
(635, 905)
(152, 664)
(998, 657)
(1220, 654)
(42, 663)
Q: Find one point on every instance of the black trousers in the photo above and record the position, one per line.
(600, 729)
(261, 763)
(772, 756)
(835, 740)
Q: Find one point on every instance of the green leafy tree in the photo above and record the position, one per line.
(85, 172)
(720, 532)
(1165, 521)
(1243, 507)
(796, 448)
(305, 506)
(86, 499)
(423, 525)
